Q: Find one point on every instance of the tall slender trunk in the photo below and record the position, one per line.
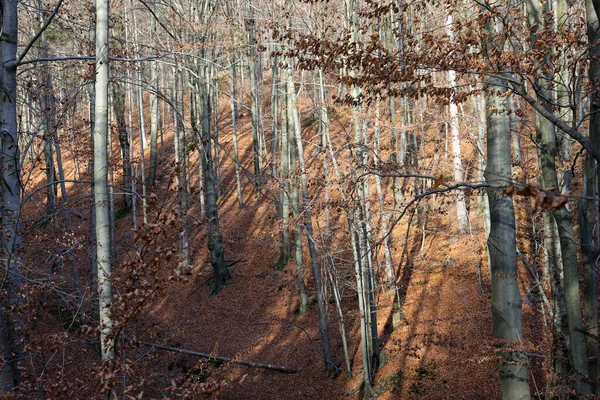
(101, 205)
(514, 131)
(11, 201)
(395, 143)
(546, 138)
(506, 299)
(274, 113)
(293, 184)
(143, 145)
(118, 103)
(215, 242)
(234, 113)
(588, 211)
(253, 66)
(180, 166)
(154, 114)
(389, 268)
(284, 205)
(214, 95)
(48, 111)
(461, 206)
(49, 116)
(308, 227)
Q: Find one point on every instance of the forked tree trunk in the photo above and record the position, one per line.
(215, 242)
(308, 227)
(295, 193)
(546, 138)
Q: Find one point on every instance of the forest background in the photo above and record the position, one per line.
(252, 199)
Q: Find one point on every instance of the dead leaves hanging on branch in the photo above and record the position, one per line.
(543, 198)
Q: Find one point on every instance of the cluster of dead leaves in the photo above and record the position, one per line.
(543, 198)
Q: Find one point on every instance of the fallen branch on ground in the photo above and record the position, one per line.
(273, 367)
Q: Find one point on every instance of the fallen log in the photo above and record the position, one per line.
(280, 368)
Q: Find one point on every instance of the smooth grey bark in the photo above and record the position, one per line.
(478, 104)
(284, 204)
(274, 113)
(564, 77)
(118, 104)
(101, 199)
(546, 138)
(154, 115)
(215, 242)
(330, 365)
(358, 230)
(553, 273)
(181, 170)
(384, 215)
(234, 114)
(396, 143)
(48, 112)
(214, 95)
(461, 206)
(396, 134)
(49, 116)
(253, 72)
(295, 196)
(324, 132)
(514, 131)
(588, 210)
(506, 298)
(10, 191)
(92, 119)
(195, 119)
(143, 145)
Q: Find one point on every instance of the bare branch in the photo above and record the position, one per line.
(38, 34)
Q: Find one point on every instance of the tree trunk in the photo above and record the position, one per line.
(118, 103)
(506, 299)
(461, 206)
(514, 131)
(588, 211)
(293, 184)
(143, 145)
(154, 113)
(253, 66)
(48, 111)
(330, 365)
(10, 340)
(215, 246)
(284, 205)
(546, 138)
(180, 166)
(234, 114)
(103, 245)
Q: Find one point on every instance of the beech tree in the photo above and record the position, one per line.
(11, 199)
(336, 134)
(101, 200)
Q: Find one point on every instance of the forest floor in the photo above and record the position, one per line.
(444, 351)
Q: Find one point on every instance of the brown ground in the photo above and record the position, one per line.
(444, 352)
